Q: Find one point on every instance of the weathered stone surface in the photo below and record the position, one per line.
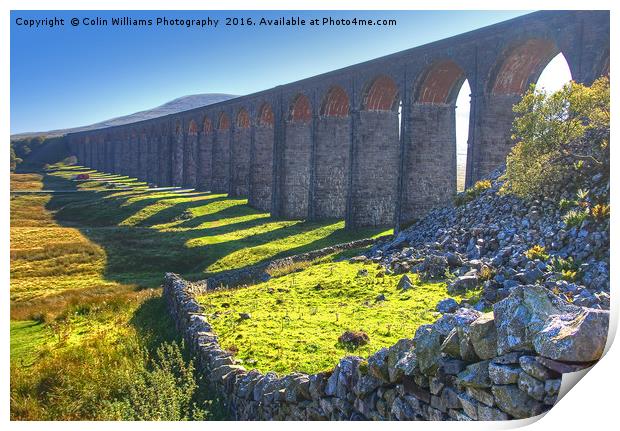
(451, 346)
(405, 283)
(428, 348)
(531, 386)
(469, 404)
(561, 367)
(378, 364)
(504, 374)
(483, 336)
(486, 413)
(451, 366)
(522, 315)
(481, 395)
(576, 337)
(515, 402)
(407, 364)
(531, 366)
(395, 353)
(447, 305)
(463, 283)
(475, 375)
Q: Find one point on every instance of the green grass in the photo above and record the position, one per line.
(296, 319)
(86, 311)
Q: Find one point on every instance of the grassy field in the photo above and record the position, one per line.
(87, 318)
(296, 319)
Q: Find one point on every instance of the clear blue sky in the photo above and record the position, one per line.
(72, 76)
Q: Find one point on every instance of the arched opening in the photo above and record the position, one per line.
(265, 115)
(207, 126)
(521, 64)
(554, 75)
(336, 103)
(463, 105)
(331, 156)
(381, 95)
(261, 169)
(224, 122)
(301, 110)
(192, 130)
(374, 179)
(243, 119)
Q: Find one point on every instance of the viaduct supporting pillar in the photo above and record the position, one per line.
(205, 158)
(429, 165)
(240, 157)
(165, 159)
(261, 169)
(374, 169)
(221, 160)
(331, 167)
(295, 174)
(177, 158)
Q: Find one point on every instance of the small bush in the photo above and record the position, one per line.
(574, 218)
(472, 193)
(570, 275)
(537, 252)
(600, 212)
(565, 204)
(486, 273)
(561, 139)
(558, 264)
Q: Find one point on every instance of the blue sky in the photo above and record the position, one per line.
(73, 76)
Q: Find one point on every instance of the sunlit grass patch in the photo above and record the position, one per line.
(296, 319)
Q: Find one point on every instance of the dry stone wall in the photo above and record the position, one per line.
(468, 365)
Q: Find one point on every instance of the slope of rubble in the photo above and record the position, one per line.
(502, 242)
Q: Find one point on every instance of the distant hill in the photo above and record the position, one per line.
(184, 103)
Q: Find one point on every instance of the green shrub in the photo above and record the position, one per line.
(565, 204)
(164, 391)
(600, 212)
(561, 138)
(537, 252)
(574, 218)
(472, 193)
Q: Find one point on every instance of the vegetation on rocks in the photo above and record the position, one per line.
(561, 139)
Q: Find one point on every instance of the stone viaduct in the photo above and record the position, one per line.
(332, 146)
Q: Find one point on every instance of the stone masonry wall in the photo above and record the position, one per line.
(331, 166)
(501, 365)
(375, 170)
(296, 170)
(240, 163)
(221, 162)
(262, 168)
(430, 162)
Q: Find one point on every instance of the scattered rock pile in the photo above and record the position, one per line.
(543, 312)
(486, 241)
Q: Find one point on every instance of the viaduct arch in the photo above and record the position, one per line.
(373, 143)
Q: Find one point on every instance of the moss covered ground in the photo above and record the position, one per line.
(296, 319)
